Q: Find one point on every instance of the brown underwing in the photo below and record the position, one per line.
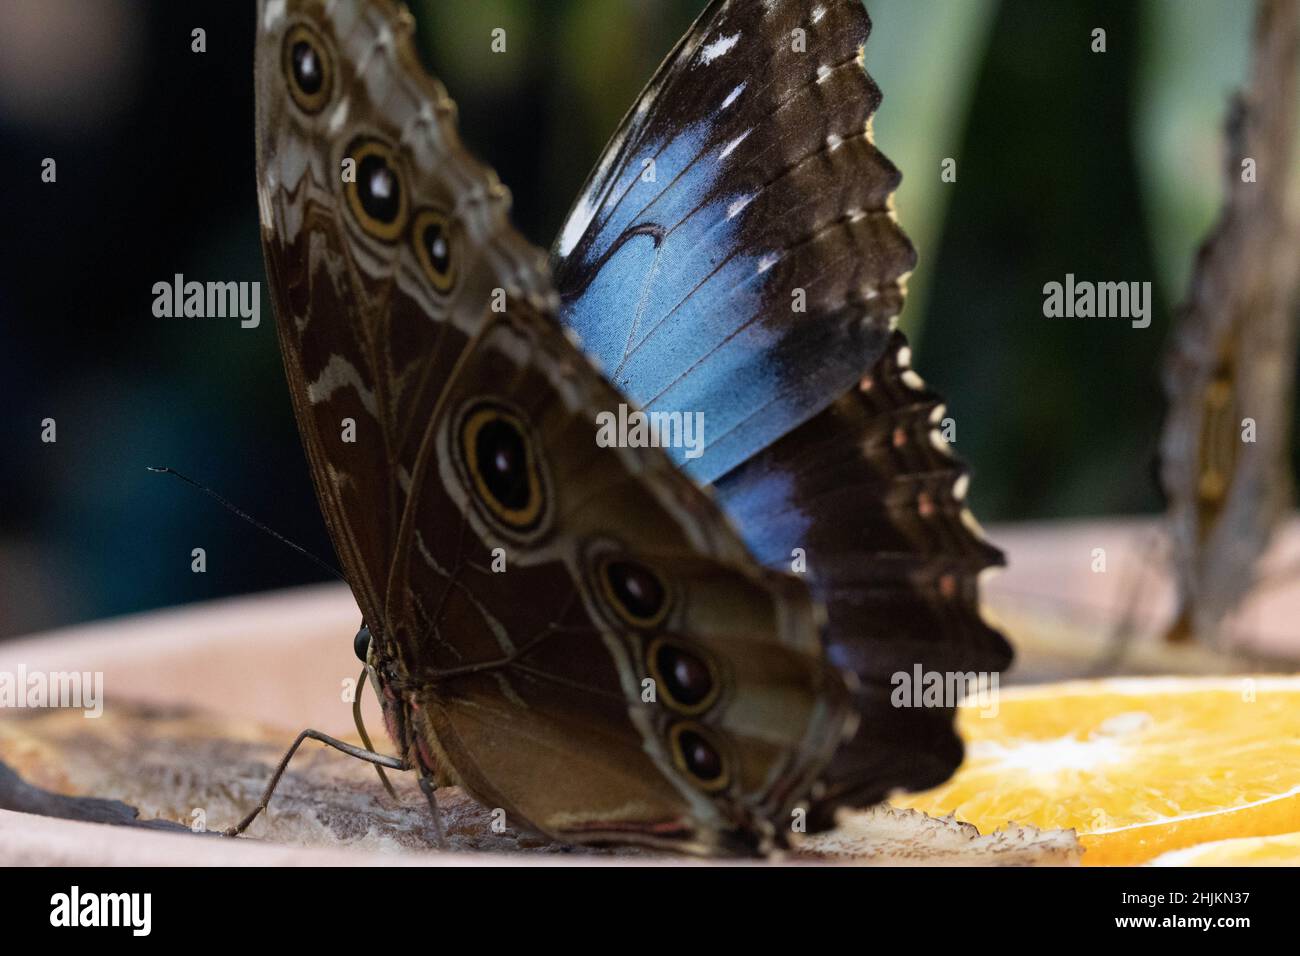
(1229, 370)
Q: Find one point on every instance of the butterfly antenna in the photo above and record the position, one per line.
(251, 520)
(361, 729)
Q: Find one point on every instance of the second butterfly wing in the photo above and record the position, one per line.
(767, 194)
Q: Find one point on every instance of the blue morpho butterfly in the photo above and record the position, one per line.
(616, 643)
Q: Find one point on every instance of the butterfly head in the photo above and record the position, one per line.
(361, 644)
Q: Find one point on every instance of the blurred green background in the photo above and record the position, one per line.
(1105, 165)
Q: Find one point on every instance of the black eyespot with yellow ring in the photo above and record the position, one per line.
(503, 466)
(308, 68)
(635, 591)
(436, 238)
(696, 754)
(686, 677)
(376, 194)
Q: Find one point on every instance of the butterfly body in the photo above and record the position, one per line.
(579, 634)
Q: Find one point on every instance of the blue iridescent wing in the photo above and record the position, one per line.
(734, 252)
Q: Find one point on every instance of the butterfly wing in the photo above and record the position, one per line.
(767, 183)
(532, 683)
(368, 327)
(735, 251)
(572, 632)
(1229, 372)
(870, 493)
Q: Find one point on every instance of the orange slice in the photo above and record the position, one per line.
(1137, 766)
(1281, 850)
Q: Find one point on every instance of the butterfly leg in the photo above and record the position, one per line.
(379, 760)
(361, 728)
(427, 787)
